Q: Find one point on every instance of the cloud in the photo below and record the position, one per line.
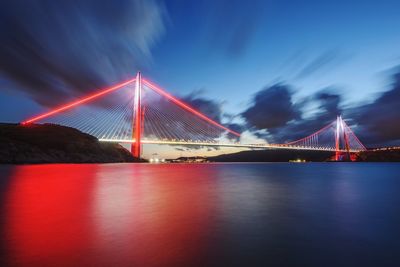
(328, 107)
(235, 127)
(213, 110)
(56, 50)
(253, 137)
(271, 108)
(274, 117)
(378, 122)
(208, 107)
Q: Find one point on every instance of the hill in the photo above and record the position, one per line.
(380, 155)
(273, 155)
(377, 155)
(49, 143)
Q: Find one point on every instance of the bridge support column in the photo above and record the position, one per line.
(337, 138)
(137, 118)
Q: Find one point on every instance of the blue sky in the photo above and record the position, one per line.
(225, 51)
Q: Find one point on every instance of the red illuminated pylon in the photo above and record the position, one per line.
(137, 118)
(337, 138)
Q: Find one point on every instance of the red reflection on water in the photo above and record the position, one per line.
(108, 215)
(48, 210)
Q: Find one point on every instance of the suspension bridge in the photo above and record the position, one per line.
(139, 112)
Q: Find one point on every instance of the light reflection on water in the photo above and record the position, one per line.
(199, 214)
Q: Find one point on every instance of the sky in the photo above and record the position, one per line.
(275, 69)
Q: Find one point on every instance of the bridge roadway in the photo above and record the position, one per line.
(239, 145)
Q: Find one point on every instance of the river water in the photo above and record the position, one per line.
(286, 214)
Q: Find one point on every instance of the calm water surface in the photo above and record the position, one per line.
(318, 214)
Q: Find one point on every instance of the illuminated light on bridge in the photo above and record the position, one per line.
(138, 109)
(78, 102)
(233, 144)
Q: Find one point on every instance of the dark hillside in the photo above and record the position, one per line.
(49, 143)
(380, 155)
(272, 155)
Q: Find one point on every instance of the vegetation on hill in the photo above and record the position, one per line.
(387, 155)
(383, 155)
(273, 155)
(50, 143)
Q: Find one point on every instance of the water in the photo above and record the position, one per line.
(318, 214)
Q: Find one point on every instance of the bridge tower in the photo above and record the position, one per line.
(339, 133)
(337, 138)
(137, 118)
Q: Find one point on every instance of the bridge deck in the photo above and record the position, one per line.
(239, 145)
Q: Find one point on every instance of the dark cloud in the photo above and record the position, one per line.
(271, 108)
(328, 107)
(329, 103)
(235, 127)
(213, 110)
(208, 107)
(378, 122)
(57, 49)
